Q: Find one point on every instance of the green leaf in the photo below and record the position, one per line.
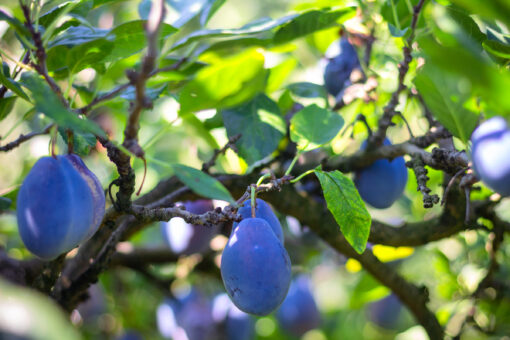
(447, 101)
(192, 8)
(308, 90)
(211, 7)
(395, 32)
(47, 102)
(80, 47)
(77, 35)
(82, 8)
(15, 24)
(314, 126)
(279, 74)
(200, 129)
(252, 28)
(347, 207)
(490, 9)
(497, 49)
(399, 14)
(268, 31)
(88, 55)
(12, 85)
(6, 105)
(202, 184)
(461, 60)
(5, 203)
(261, 125)
(129, 38)
(312, 21)
(82, 142)
(467, 23)
(226, 83)
(151, 93)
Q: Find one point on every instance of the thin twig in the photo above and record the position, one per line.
(230, 144)
(121, 88)
(112, 94)
(389, 110)
(41, 67)
(152, 29)
(23, 138)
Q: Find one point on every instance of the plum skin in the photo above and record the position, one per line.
(264, 211)
(489, 154)
(298, 313)
(55, 208)
(338, 71)
(98, 196)
(383, 182)
(184, 238)
(255, 267)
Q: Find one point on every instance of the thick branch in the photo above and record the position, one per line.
(440, 159)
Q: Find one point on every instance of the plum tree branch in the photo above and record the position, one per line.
(121, 88)
(389, 110)
(417, 165)
(40, 53)
(23, 138)
(230, 145)
(156, 16)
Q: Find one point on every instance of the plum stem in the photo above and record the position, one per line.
(70, 141)
(53, 141)
(253, 202)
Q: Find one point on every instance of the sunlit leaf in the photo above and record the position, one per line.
(347, 207)
(260, 124)
(47, 102)
(314, 126)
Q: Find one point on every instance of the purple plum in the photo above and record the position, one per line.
(298, 313)
(255, 267)
(383, 182)
(58, 206)
(489, 154)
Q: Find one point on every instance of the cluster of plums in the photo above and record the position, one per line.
(193, 316)
(490, 154)
(60, 204)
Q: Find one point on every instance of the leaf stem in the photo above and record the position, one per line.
(289, 169)
(297, 179)
(262, 178)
